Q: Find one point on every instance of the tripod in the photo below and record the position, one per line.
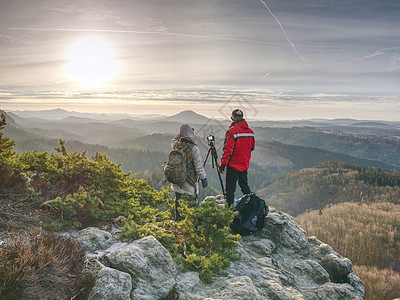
(214, 160)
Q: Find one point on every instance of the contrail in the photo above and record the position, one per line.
(265, 75)
(147, 32)
(283, 30)
(377, 53)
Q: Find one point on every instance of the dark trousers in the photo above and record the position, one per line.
(232, 177)
(178, 217)
(178, 196)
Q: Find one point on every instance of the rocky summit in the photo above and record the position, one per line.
(277, 263)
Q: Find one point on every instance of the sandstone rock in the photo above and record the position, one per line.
(187, 283)
(356, 283)
(310, 270)
(276, 291)
(151, 266)
(319, 249)
(241, 287)
(280, 263)
(277, 263)
(333, 291)
(111, 284)
(338, 267)
(92, 239)
(285, 232)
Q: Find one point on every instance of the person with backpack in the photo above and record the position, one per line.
(238, 143)
(189, 170)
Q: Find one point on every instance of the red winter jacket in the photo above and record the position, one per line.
(238, 143)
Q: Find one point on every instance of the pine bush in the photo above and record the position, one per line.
(201, 241)
(10, 180)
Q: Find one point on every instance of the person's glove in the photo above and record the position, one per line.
(204, 182)
(221, 168)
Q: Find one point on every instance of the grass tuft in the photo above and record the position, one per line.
(40, 265)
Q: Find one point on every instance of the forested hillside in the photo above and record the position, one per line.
(331, 183)
(367, 143)
(289, 157)
(368, 234)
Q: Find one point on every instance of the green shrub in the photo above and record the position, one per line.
(79, 207)
(39, 265)
(85, 191)
(200, 242)
(10, 180)
(204, 240)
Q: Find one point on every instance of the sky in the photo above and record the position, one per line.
(275, 59)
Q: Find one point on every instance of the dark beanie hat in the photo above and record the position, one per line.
(236, 115)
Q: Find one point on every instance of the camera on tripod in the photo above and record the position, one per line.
(210, 139)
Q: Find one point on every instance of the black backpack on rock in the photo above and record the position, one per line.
(251, 217)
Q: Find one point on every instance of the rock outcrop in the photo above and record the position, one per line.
(111, 284)
(150, 265)
(93, 239)
(278, 263)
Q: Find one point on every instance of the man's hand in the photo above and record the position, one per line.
(221, 168)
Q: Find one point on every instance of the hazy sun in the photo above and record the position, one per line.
(91, 62)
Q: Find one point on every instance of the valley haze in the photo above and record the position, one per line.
(282, 146)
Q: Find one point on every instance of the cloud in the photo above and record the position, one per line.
(253, 97)
(217, 103)
(226, 44)
(8, 39)
(87, 11)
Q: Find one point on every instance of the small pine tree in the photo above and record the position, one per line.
(6, 145)
(9, 179)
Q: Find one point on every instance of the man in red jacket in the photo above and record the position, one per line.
(238, 143)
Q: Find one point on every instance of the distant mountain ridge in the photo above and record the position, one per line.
(189, 117)
(60, 114)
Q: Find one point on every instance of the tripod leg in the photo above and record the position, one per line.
(215, 159)
(204, 164)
